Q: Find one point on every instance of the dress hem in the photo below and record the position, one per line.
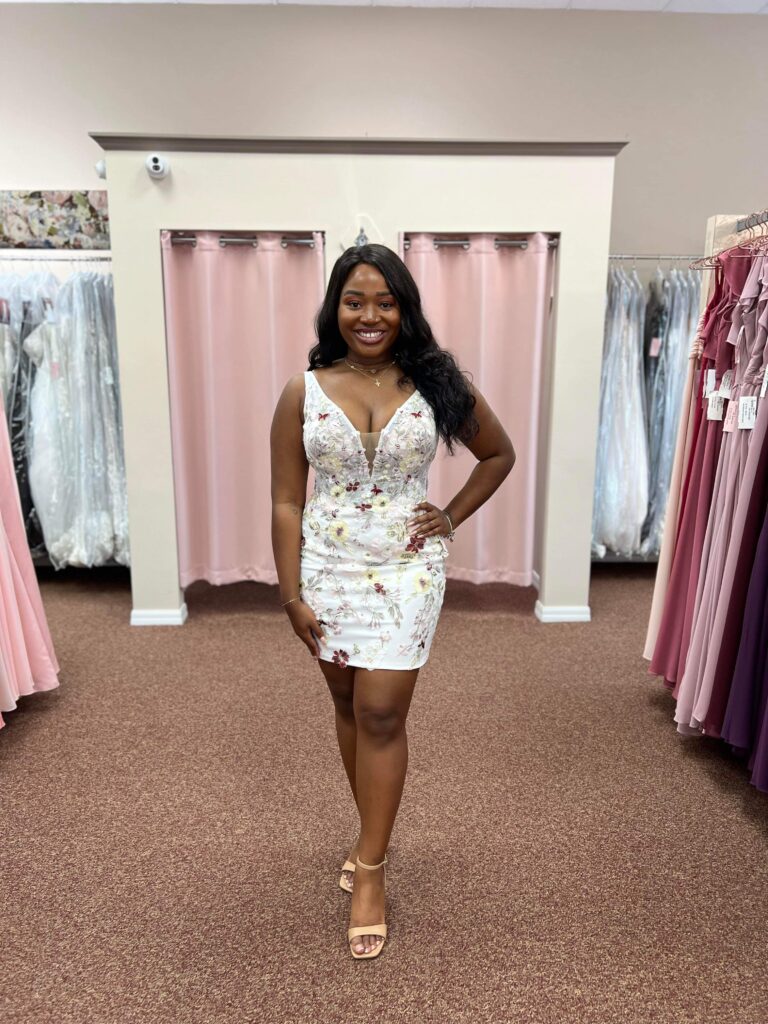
(373, 668)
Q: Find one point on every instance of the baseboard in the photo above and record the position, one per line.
(159, 616)
(563, 612)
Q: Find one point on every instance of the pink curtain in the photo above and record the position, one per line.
(239, 323)
(490, 306)
(27, 659)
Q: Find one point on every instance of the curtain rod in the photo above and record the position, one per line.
(465, 243)
(252, 240)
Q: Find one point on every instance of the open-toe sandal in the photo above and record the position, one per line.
(343, 883)
(368, 929)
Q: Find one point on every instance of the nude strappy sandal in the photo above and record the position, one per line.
(368, 929)
(343, 883)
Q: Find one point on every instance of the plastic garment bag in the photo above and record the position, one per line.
(621, 485)
(27, 299)
(682, 291)
(77, 469)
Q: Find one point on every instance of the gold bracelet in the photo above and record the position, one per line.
(288, 602)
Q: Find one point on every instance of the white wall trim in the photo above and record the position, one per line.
(535, 579)
(159, 616)
(563, 612)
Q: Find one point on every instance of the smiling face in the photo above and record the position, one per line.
(369, 317)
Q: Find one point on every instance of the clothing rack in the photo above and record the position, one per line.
(657, 257)
(752, 221)
(62, 255)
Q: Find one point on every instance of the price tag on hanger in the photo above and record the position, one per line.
(715, 403)
(726, 383)
(747, 412)
(731, 417)
(764, 388)
(709, 383)
(655, 349)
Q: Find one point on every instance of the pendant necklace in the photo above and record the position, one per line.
(367, 372)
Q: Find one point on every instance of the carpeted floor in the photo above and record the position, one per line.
(174, 818)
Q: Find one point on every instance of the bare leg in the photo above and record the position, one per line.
(381, 700)
(341, 684)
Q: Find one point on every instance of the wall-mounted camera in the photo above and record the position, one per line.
(157, 166)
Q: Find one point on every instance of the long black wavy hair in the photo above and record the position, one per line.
(432, 369)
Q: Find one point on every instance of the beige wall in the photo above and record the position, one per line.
(687, 91)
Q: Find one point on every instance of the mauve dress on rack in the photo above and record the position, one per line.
(27, 659)
(742, 716)
(675, 627)
(747, 520)
(757, 617)
(664, 657)
(696, 683)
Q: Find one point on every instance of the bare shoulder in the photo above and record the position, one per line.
(295, 383)
(291, 399)
(294, 388)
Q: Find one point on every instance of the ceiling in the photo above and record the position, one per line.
(658, 6)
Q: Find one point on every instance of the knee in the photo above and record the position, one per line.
(343, 701)
(382, 724)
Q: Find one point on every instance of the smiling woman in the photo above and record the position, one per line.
(362, 564)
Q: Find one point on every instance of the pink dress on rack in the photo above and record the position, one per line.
(27, 659)
(672, 637)
(693, 693)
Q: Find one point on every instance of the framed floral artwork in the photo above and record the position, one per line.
(54, 220)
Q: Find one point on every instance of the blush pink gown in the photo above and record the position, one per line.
(27, 659)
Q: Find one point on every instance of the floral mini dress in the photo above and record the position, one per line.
(375, 588)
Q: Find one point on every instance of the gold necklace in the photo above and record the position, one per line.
(369, 371)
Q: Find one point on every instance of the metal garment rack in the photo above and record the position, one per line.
(752, 221)
(466, 243)
(657, 257)
(250, 240)
(57, 255)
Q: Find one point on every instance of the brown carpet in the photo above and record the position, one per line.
(174, 818)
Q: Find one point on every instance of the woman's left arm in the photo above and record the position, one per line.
(495, 456)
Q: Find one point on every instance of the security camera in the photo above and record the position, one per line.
(157, 166)
(101, 168)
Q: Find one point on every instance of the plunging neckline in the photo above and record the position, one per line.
(370, 469)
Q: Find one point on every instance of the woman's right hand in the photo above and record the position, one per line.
(305, 625)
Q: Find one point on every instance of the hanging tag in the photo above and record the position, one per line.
(764, 388)
(655, 348)
(725, 384)
(731, 417)
(747, 412)
(715, 404)
(709, 383)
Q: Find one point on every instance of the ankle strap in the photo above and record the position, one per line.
(371, 866)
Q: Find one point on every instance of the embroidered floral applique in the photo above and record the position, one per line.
(363, 571)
